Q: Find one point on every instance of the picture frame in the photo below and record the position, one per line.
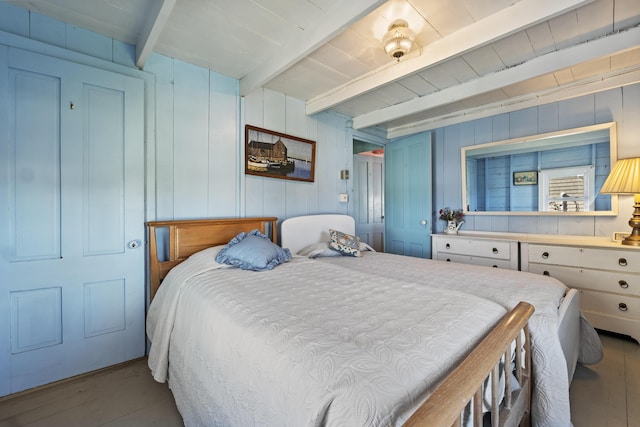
(525, 178)
(277, 155)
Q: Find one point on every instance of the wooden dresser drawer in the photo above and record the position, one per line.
(597, 280)
(610, 304)
(475, 247)
(488, 262)
(606, 259)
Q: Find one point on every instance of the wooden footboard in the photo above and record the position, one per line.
(445, 406)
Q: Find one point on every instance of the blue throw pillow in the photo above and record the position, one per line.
(253, 251)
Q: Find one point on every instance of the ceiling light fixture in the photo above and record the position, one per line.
(399, 39)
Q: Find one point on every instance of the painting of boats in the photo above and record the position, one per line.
(276, 155)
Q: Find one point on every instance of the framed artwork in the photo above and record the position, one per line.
(276, 155)
(525, 178)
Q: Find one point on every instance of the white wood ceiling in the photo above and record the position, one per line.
(474, 58)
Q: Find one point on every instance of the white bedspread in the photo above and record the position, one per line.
(550, 399)
(307, 343)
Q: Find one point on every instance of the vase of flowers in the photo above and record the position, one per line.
(453, 218)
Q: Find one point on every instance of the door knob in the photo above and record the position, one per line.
(134, 244)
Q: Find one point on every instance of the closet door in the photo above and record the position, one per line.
(407, 171)
(72, 258)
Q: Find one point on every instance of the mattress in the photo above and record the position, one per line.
(550, 394)
(339, 341)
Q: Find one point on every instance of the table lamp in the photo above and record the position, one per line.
(625, 179)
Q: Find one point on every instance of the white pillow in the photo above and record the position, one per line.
(318, 250)
(365, 247)
(322, 249)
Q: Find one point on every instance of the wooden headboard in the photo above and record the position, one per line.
(186, 237)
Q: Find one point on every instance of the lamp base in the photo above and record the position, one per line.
(634, 238)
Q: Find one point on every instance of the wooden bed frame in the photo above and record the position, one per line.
(186, 237)
(453, 394)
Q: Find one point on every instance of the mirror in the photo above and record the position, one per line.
(557, 173)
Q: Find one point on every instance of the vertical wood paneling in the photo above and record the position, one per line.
(621, 105)
(253, 185)
(190, 140)
(438, 177)
(224, 160)
(548, 118)
(5, 305)
(313, 202)
(274, 196)
(327, 152)
(162, 68)
(14, 19)
(577, 112)
(85, 41)
(523, 122)
(124, 54)
(47, 29)
(452, 173)
(284, 198)
(297, 193)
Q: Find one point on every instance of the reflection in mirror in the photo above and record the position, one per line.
(558, 173)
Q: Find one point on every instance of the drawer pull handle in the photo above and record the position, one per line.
(622, 262)
(448, 246)
(623, 307)
(545, 255)
(546, 273)
(623, 284)
(495, 250)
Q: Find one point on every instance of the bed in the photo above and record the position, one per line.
(347, 340)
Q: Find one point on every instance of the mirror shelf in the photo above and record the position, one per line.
(551, 174)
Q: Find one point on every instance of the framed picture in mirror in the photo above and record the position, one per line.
(525, 178)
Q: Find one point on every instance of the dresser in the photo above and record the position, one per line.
(606, 273)
(484, 250)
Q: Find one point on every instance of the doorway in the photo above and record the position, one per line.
(368, 190)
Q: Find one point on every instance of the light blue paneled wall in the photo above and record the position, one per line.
(621, 105)
(287, 198)
(195, 145)
(55, 33)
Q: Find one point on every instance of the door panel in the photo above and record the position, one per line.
(408, 196)
(74, 288)
(34, 192)
(369, 199)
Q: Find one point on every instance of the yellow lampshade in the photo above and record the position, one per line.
(624, 178)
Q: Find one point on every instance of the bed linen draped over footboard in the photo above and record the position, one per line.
(550, 398)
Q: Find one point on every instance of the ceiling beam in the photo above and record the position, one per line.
(158, 17)
(614, 79)
(539, 66)
(338, 17)
(517, 17)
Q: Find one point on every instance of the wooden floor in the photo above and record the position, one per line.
(603, 395)
(608, 394)
(125, 395)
